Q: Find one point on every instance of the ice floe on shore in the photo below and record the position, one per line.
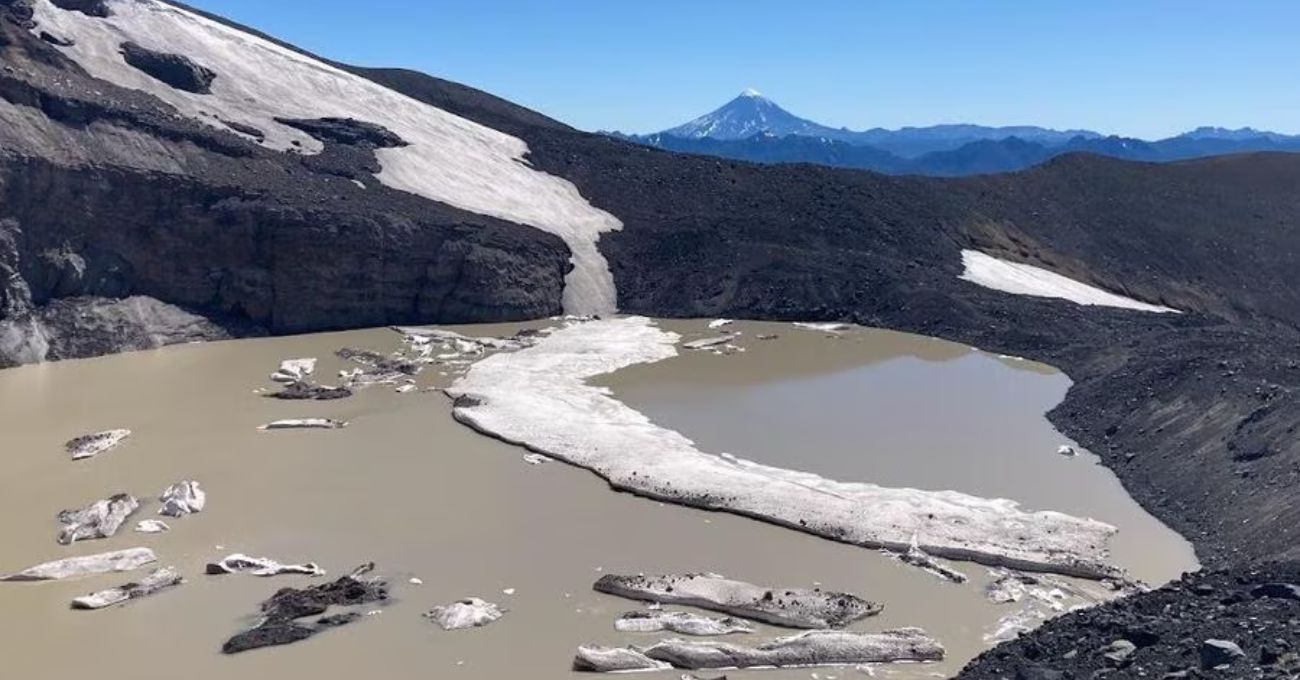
(537, 397)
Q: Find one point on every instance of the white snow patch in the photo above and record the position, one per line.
(538, 397)
(1024, 279)
(449, 159)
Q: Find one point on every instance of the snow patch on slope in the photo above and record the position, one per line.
(537, 397)
(1024, 279)
(449, 159)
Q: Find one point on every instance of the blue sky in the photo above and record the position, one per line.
(1146, 68)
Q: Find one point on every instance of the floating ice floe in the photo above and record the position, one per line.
(824, 327)
(708, 343)
(1025, 279)
(920, 559)
(182, 498)
(538, 397)
(791, 607)
(259, 84)
(151, 526)
(720, 323)
(807, 649)
(92, 445)
(468, 613)
(260, 566)
(100, 519)
(305, 424)
(536, 459)
(157, 581)
(87, 565)
(682, 623)
(1067, 450)
(294, 370)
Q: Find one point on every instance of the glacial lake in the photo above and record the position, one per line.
(424, 497)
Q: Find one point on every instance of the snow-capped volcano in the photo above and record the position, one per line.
(750, 113)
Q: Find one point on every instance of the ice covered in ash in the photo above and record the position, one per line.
(538, 397)
(1025, 279)
(447, 159)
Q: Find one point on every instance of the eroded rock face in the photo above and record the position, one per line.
(468, 613)
(284, 613)
(791, 607)
(77, 567)
(347, 131)
(92, 445)
(682, 623)
(176, 70)
(182, 498)
(158, 580)
(811, 648)
(93, 8)
(100, 519)
(260, 566)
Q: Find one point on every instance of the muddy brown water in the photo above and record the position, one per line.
(424, 497)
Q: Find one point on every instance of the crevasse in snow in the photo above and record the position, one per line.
(449, 159)
(1024, 279)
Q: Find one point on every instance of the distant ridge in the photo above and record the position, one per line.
(752, 127)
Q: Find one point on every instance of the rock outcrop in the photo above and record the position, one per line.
(792, 607)
(176, 70)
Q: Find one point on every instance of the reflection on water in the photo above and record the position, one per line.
(409, 488)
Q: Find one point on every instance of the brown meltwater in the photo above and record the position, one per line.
(407, 487)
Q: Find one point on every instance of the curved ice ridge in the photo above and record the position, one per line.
(1025, 279)
(448, 158)
(537, 397)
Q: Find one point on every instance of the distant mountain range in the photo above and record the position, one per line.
(753, 128)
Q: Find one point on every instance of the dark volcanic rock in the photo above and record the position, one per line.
(284, 612)
(346, 131)
(20, 12)
(176, 70)
(1201, 621)
(94, 8)
(303, 391)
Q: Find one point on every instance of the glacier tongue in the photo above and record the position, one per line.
(538, 397)
(448, 159)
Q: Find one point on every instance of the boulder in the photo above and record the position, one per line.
(468, 613)
(1215, 653)
(92, 8)
(682, 623)
(177, 70)
(91, 445)
(100, 519)
(791, 607)
(260, 566)
(77, 567)
(158, 580)
(283, 615)
(1118, 652)
(182, 498)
